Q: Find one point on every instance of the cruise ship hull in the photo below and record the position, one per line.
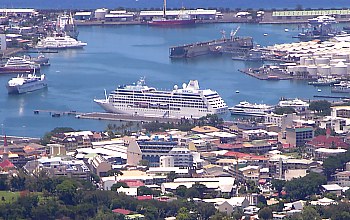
(155, 112)
(29, 87)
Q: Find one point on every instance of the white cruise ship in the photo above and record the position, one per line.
(186, 102)
(297, 104)
(249, 109)
(23, 84)
(59, 42)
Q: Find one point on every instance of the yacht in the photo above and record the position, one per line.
(297, 104)
(249, 109)
(187, 102)
(59, 42)
(324, 82)
(19, 65)
(22, 84)
(342, 87)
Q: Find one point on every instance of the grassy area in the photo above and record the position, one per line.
(8, 197)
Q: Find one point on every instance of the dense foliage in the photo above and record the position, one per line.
(184, 124)
(284, 110)
(334, 163)
(301, 188)
(63, 198)
(321, 107)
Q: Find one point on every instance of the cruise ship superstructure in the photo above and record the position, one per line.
(186, 102)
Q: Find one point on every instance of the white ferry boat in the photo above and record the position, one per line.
(249, 109)
(59, 42)
(139, 99)
(297, 104)
(22, 84)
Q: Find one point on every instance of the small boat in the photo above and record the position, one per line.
(265, 34)
(237, 91)
(286, 30)
(319, 90)
(324, 82)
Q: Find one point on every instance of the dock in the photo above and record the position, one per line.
(330, 97)
(124, 117)
(107, 116)
(272, 75)
(41, 51)
(55, 113)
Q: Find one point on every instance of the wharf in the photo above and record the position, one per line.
(41, 51)
(272, 75)
(331, 97)
(55, 113)
(124, 117)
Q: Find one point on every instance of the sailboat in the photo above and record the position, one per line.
(182, 19)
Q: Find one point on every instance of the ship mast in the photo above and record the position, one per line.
(164, 9)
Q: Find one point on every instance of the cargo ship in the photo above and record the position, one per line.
(224, 45)
(182, 19)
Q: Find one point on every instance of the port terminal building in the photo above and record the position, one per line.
(198, 14)
(299, 16)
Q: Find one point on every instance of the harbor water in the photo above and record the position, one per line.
(118, 55)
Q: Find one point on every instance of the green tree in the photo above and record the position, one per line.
(144, 190)
(171, 176)
(265, 213)
(310, 213)
(321, 107)
(278, 185)
(184, 214)
(181, 191)
(144, 162)
(117, 185)
(284, 110)
(67, 192)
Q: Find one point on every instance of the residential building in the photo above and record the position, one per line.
(182, 157)
(342, 178)
(99, 165)
(298, 136)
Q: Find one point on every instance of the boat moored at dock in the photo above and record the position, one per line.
(19, 65)
(22, 84)
(187, 102)
(249, 109)
(60, 42)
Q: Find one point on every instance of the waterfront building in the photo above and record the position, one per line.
(198, 14)
(18, 12)
(302, 15)
(282, 121)
(83, 15)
